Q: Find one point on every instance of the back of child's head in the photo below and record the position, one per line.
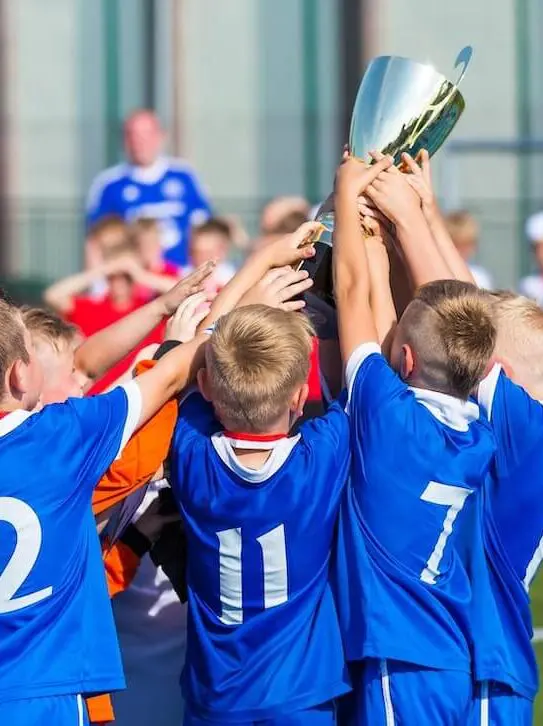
(463, 228)
(450, 330)
(13, 345)
(519, 342)
(47, 327)
(109, 231)
(257, 358)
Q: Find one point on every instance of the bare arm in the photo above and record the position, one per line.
(104, 349)
(352, 283)
(420, 179)
(60, 295)
(288, 250)
(382, 303)
(393, 195)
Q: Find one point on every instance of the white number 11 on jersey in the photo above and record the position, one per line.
(274, 568)
(454, 498)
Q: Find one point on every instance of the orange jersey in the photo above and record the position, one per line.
(141, 458)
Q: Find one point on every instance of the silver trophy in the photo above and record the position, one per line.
(401, 106)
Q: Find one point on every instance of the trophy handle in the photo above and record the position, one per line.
(463, 59)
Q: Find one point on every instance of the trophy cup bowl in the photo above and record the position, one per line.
(401, 106)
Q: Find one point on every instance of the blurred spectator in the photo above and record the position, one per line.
(150, 185)
(278, 209)
(532, 285)
(464, 232)
(124, 278)
(212, 241)
(146, 235)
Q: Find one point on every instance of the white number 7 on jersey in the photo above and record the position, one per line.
(449, 496)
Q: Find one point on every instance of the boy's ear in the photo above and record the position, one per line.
(202, 380)
(17, 379)
(299, 399)
(407, 363)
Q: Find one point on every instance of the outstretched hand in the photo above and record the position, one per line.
(294, 248)
(419, 177)
(277, 289)
(190, 285)
(183, 324)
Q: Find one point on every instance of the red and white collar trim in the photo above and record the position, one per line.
(262, 442)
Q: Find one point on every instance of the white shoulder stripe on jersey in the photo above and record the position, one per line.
(80, 714)
(487, 389)
(485, 719)
(135, 404)
(387, 698)
(533, 566)
(280, 452)
(10, 422)
(101, 181)
(358, 356)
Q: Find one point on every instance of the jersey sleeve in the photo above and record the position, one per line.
(371, 382)
(98, 428)
(196, 420)
(99, 201)
(198, 200)
(141, 457)
(515, 417)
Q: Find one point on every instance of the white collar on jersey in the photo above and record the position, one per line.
(450, 411)
(10, 422)
(149, 174)
(280, 451)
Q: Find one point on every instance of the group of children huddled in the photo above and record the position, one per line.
(371, 568)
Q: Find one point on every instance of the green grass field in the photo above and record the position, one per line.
(537, 609)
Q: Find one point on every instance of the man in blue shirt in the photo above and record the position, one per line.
(151, 185)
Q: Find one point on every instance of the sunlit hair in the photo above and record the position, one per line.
(44, 325)
(449, 327)
(519, 344)
(12, 340)
(256, 358)
(462, 227)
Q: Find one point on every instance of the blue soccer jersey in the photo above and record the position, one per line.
(513, 524)
(419, 458)
(263, 635)
(57, 634)
(168, 191)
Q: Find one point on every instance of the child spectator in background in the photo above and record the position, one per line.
(532, 285)
(146, 235)
(464, 232)
(73, 299)
(212, 241)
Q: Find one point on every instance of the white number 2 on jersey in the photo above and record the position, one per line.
(28, 530)
(274, 568)
(454, 498)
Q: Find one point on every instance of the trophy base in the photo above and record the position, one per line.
(321, 307)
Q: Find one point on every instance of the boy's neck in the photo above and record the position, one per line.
(254, 450)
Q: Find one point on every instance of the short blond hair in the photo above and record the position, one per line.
(256, 358)
(463, 228)
(12, 341)
(519, 322)
(49, 327)
(450, 328)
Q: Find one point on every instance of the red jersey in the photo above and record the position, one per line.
(91, 315)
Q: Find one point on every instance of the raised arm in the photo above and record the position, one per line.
(382, 303)
(289, 250)
(60, 295)
(394, 196)
(104, 349)
(420, 179)
(352, 283)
